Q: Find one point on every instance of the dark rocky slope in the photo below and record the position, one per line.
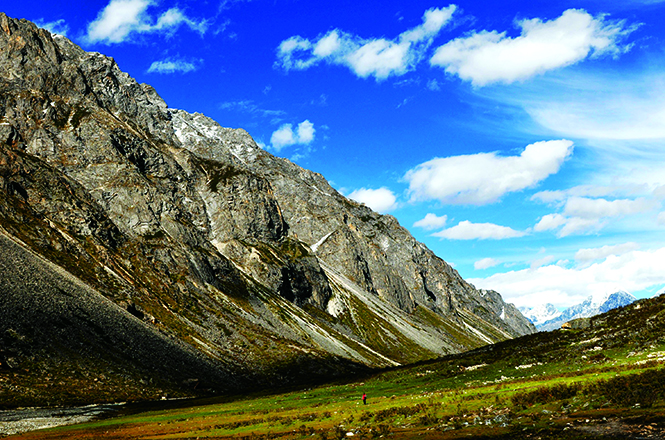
(253, 269)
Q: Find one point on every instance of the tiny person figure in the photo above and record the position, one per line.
(364, 399)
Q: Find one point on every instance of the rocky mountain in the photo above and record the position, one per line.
(548, 317)
(155, 251)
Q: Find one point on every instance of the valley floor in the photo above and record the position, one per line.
(604, 381)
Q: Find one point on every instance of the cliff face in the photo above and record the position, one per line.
(196, 233)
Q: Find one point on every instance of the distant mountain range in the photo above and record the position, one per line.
(547, 317)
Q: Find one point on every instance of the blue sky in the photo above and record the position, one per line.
(521, 141)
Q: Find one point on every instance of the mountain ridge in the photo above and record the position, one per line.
(548, 317)
(246, 259)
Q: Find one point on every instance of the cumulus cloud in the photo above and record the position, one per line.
(485, 263)
(465, 230)
(285, 136)
(381, 200)
(431, 221)
(58, 27)
(564, 286)
(120, 19)
(173, 66)
(591, 254)
(377, 57)
(489, 57)
(483, 178)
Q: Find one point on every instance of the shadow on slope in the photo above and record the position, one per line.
(61, 342)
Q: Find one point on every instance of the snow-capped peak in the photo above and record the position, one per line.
(540, 313)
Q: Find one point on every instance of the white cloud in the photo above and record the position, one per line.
(659, 192)
(284, 136)
(485, 263)
(541, 261)
(583, 214)
(58, 27)
(489, 57)
(632, 272)
(604, 107)
(661, 218)
(568, 225)
(591, 254)
(305, 132)
(378, 57)
(381, 200)
(431, 221)
(251, 107)
(587, 208)
(172, 66)
(433, 85)
(121, 18)
(465, 230)
(549, 222)
(593, 191)
(483, 178)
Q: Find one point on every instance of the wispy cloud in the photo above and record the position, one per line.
(618, 111)
(603, 107)
(381, 200)
(490, 57)
(592, 254)
(465, 230)
(567, 225)
(121, 19)
(377, 57)
(483, 178)
(485, 263)
(251, 107)
(584, 207)
(58, 27)
(583, 215)
(554, 196)
(171, 65)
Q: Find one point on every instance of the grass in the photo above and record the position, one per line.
(471, 395)
(545, 385)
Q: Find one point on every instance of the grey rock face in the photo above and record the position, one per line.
(372, 250)
(230, 250)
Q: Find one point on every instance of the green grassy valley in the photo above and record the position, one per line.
(602, 378)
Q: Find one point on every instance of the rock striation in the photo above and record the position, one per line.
(256, 269)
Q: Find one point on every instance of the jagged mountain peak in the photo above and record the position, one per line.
(548, 317)
(541, 313)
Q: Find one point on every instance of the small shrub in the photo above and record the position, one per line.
(381, 431)
(546, 394)
(644, 389)
(428, 419)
